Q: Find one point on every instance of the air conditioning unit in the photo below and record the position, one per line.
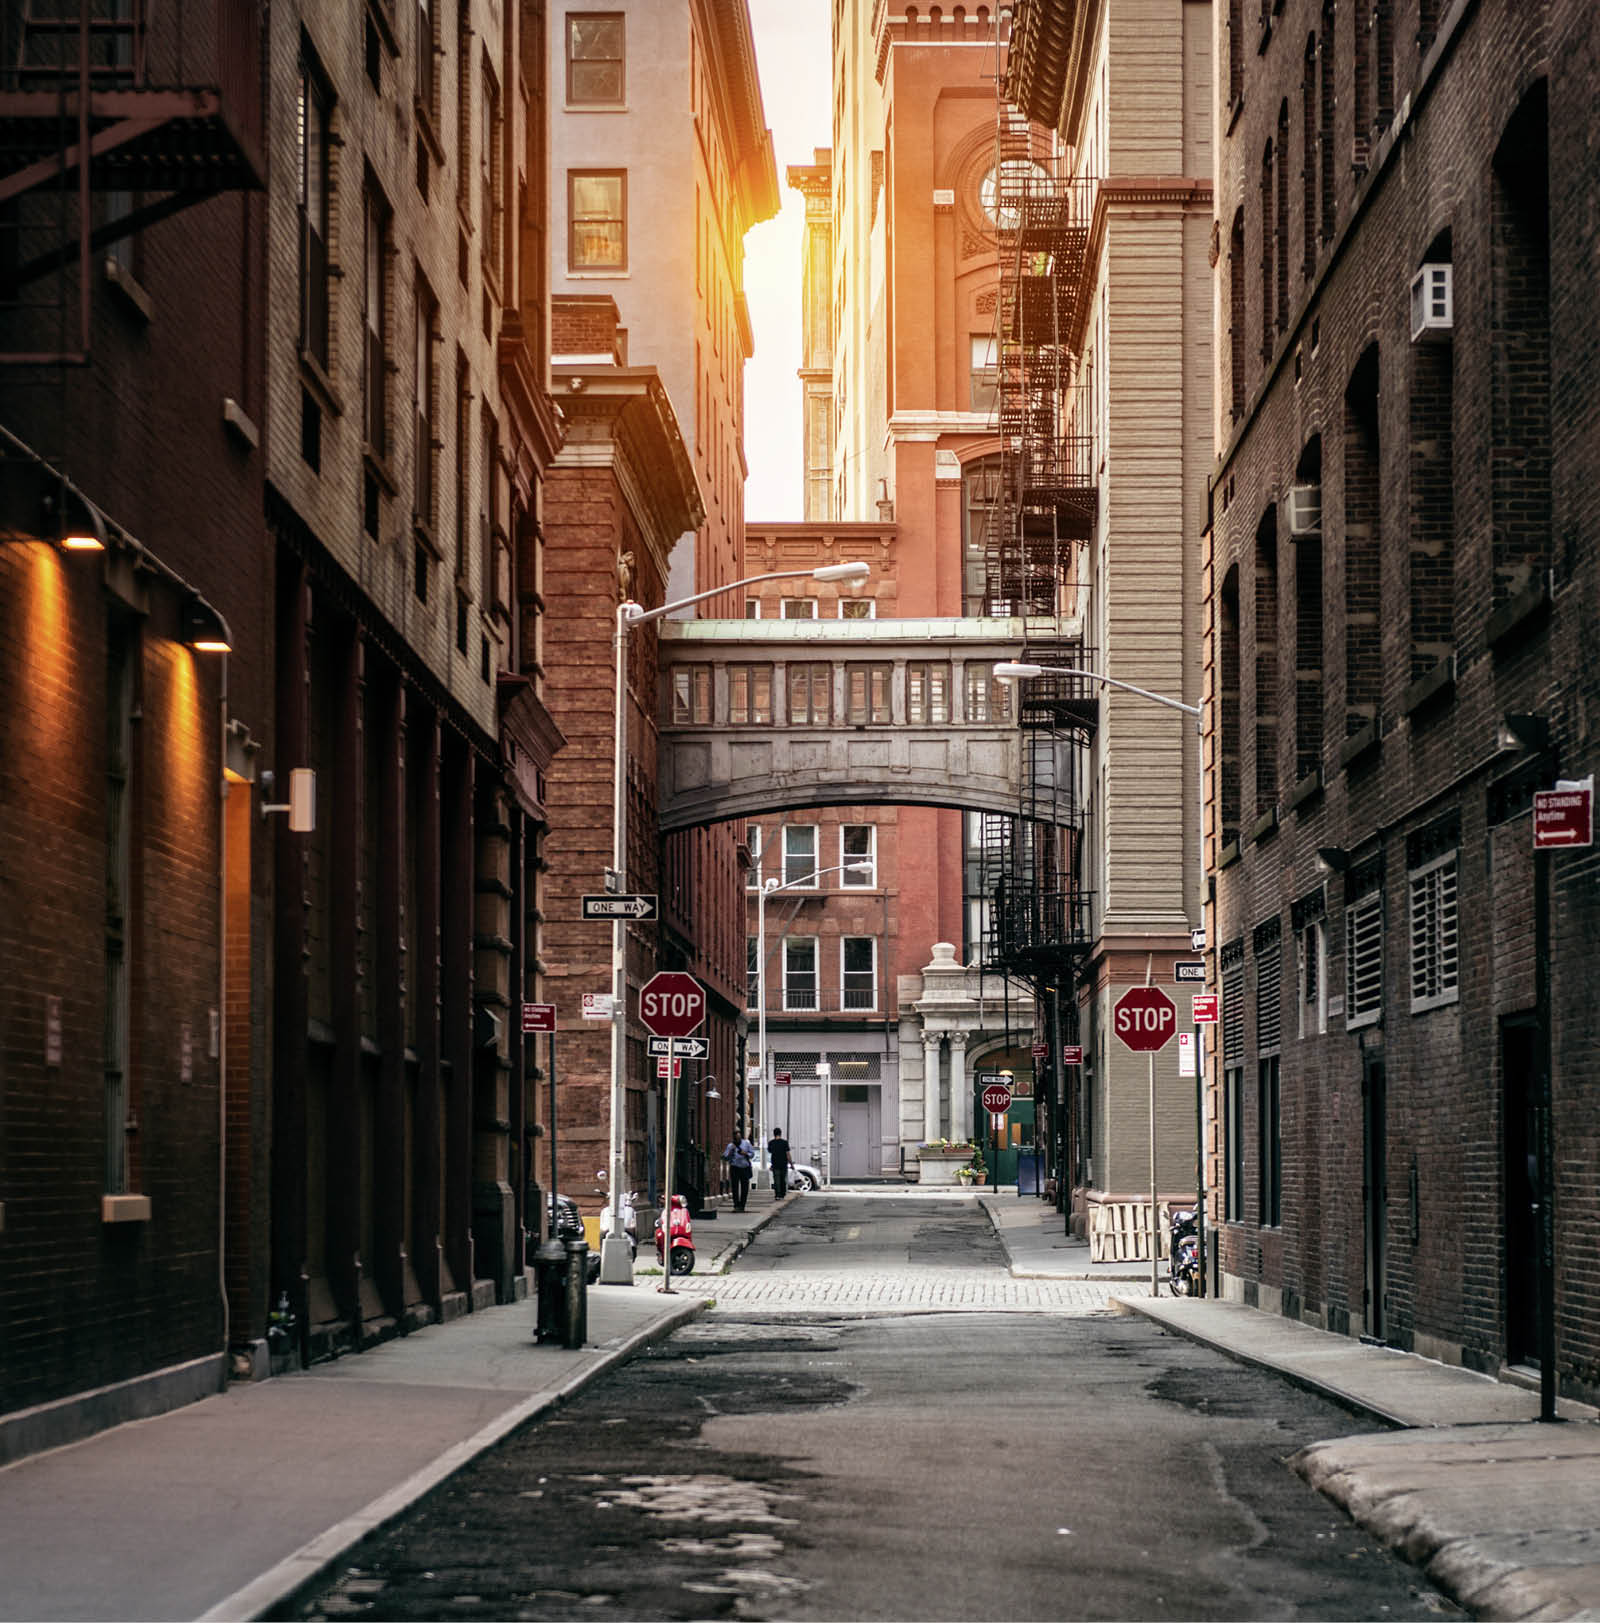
(1432, 303)
(1305, 510)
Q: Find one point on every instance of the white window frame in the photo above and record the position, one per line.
(752, 971)
(1312, 953)
(790, 603)
(870, 604)
(794, 855)
(1434, 917)
(793, 947)
(754, 837)
(1365, 913)
(858, 881)
(752, 608)
(845, 1005)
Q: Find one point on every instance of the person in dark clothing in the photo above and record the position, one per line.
(778, 1156)
(740, 1156)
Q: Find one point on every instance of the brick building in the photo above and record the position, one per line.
(132, 943)
(407, 430)
(1402, 575)
(660, 162)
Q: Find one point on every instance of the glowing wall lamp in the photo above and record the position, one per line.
(79, 526)
(204, 629)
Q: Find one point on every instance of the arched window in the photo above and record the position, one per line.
(1235, 51)
(1266, 671)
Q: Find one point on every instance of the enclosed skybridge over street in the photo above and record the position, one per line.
(778, 715)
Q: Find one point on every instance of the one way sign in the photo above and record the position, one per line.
(619, 907)
(679, 1047)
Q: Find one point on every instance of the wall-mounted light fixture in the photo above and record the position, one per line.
(1518, 731)
(204, 629)
(302, 802)
(1332, 860)
(38, 504)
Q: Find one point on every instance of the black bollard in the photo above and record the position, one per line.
(549, 1272)
(577, 1293)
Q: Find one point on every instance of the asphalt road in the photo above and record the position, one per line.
(914, 1464)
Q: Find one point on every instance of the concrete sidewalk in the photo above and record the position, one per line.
(1501, 1512)
(222, 1508)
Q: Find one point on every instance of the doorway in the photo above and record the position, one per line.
(855, 1128)
(1375, 1192)
(1519, 1060)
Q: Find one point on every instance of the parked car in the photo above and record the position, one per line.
(569, 1226)
(803, 1176)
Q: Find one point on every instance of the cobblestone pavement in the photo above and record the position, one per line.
(942, 1290)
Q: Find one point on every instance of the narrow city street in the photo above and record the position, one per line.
(876, 1420)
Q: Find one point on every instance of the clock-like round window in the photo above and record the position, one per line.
(999, 189)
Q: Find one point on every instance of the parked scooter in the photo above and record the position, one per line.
(682, 1237)
(1183, 1254)
(630, 1224)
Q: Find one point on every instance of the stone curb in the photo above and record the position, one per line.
(1019, 1271)
(312, 1562)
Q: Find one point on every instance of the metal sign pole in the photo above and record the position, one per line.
(666, 1177)
(555, 1184)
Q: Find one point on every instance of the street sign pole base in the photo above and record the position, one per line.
(616, 1266)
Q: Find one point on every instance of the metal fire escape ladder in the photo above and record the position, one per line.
(95, 101)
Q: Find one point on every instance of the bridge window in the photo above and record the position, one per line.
(800, 854)
(809, 693)
(928, 692)
(988, 698)
(858, 842)
(868, 689)
(749, 694)
(858, 969)
(799, 608)
(800, 972)
(858, 608)
(691, 695)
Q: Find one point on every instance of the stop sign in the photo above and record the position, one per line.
(1145, 1019)
(672, 1003)
(997, 1098)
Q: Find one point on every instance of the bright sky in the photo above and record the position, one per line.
(793, 55)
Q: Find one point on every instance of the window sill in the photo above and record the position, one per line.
(1517, 618)
(380, 470)
(124, 1208)
(320, 384)
(594, 107)
(429, 133)
(1357, 745)
(1228, 855)
(1265, 826)
(1235, 108)
(599, 275)
(1308, 788)
(130, 290)
(1433, 686)
(423, 532)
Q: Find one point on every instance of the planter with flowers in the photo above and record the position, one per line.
(941, 1163)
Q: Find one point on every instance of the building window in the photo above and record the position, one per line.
(985, 372)
(491, 173)
(928, 692)
(691, 695)
(809, 693)
(595, 60)
(463, 465)
(800, 855)
(427, 77)
(987, 697)
(857, 608)
(1312, 946)
(316, 178)
(1363, 551)
(1229, 708)
(752, 972)
(858, 842)
(753, 838)
(1435, 957)
(981, 483)
(858, 968)
(597, 215)
(426, 449)
(1266, 663)
(1363, 961)
(752, 608)
(1233, 1090)
(800, 972)
(799, 608)
(749, 695)
(375, 325)
(867, 690)
(1268, 944)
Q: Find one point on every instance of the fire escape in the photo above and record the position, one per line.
(113, 115)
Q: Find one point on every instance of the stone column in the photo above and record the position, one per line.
(930, 1085)
(960, 1093)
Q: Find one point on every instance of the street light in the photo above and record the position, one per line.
(616, 1266)
(1019, 670)
(764, 889)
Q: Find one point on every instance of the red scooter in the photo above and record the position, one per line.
(682, 1237)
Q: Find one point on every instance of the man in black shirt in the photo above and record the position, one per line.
(778, 1156)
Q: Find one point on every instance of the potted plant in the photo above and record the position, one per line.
(965, 1174)
(980, 1172)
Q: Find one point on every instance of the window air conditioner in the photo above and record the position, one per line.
(1305, 510)
(1432, 303)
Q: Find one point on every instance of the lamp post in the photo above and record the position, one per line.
(616, 1266)
(764, 889)
(1019, 670)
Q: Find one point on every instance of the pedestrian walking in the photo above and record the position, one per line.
(778, 1157)
(740, 1156)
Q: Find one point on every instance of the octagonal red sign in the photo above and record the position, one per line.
(1145, 1019)
(672, 1003)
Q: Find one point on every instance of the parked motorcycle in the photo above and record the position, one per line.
(682, 1237)
(630, 1224)
(1183, 1254)
(569, 1226)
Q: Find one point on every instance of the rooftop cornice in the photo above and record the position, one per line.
(1048, 61)
(755, 168)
